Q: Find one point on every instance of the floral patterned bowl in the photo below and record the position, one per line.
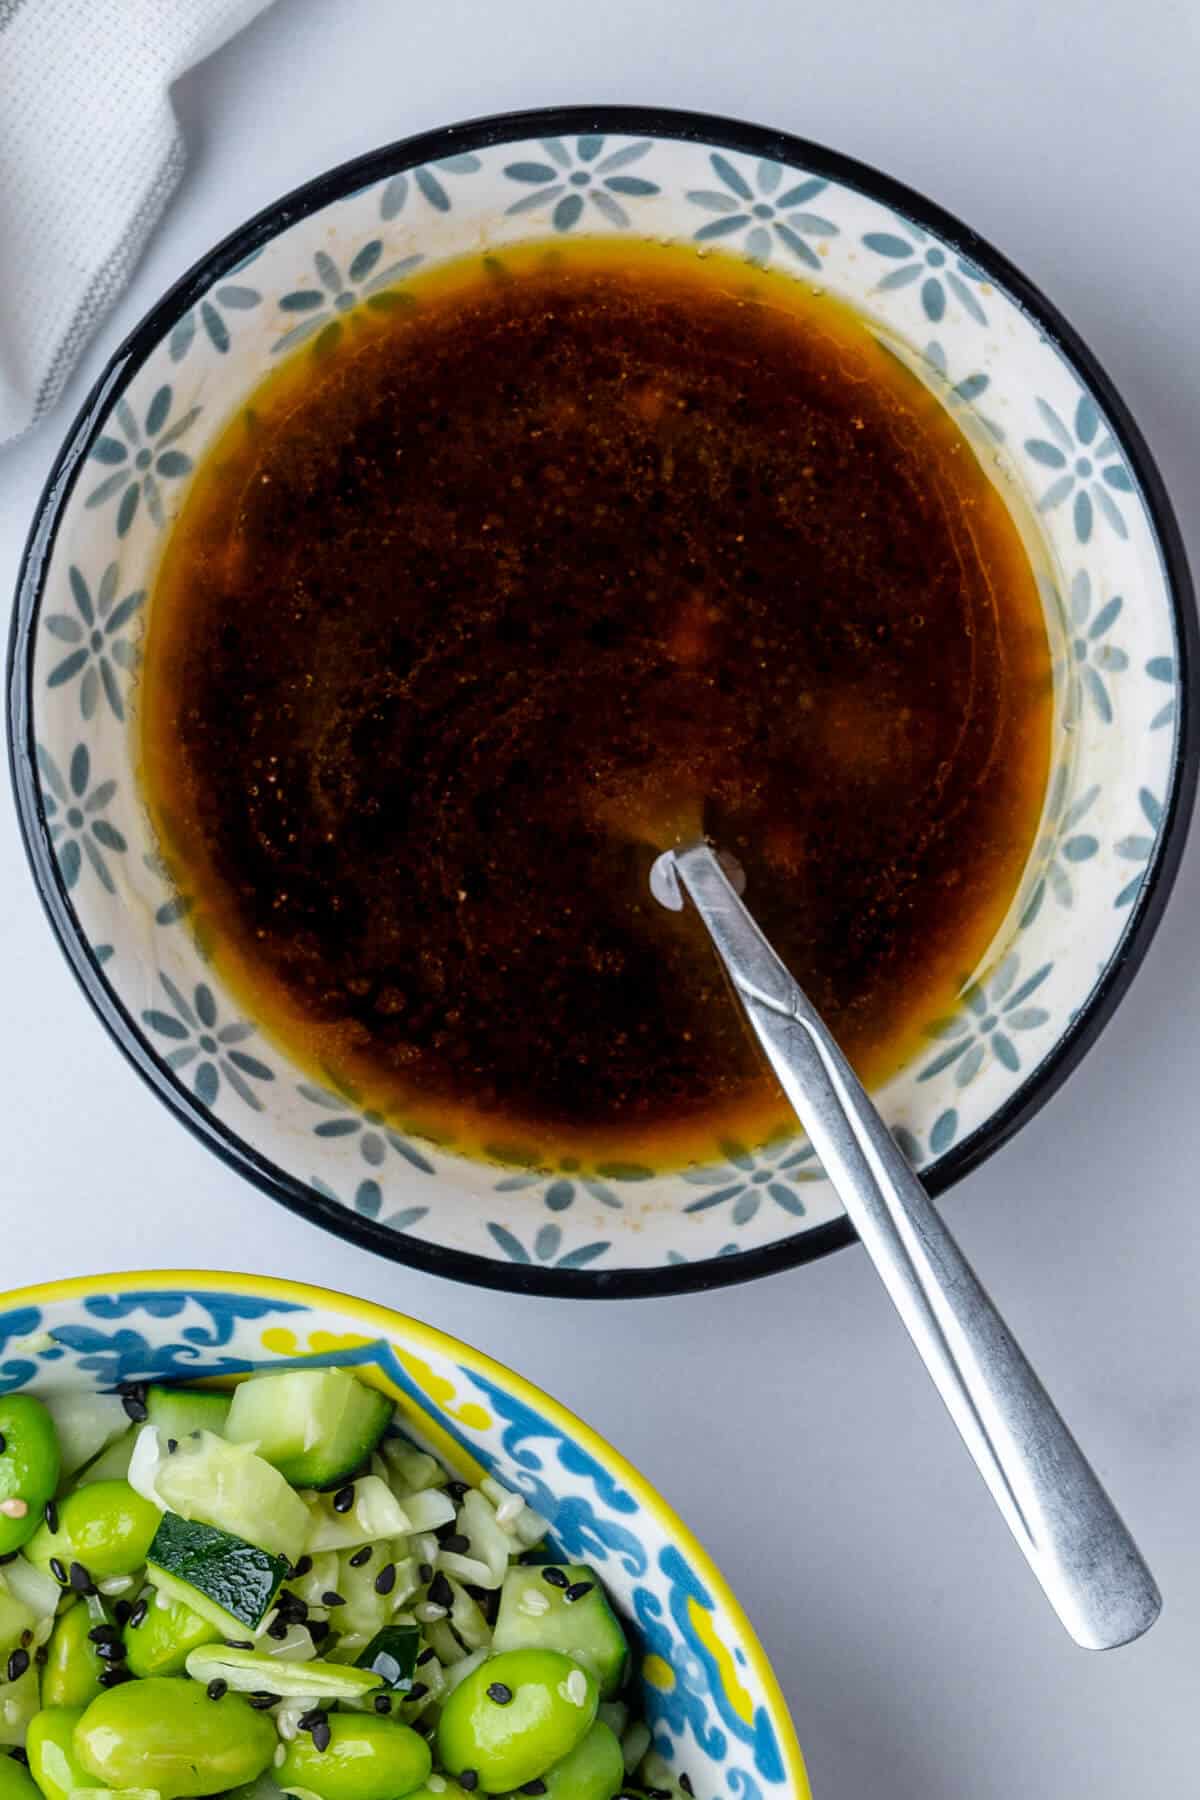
(708, 1693)
(1118, 606)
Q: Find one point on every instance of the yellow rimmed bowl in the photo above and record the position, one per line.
(707, 1689)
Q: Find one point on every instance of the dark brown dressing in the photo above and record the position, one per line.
(476, 601)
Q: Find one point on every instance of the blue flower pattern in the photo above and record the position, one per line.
(765, 208)
(367, 1201)
(939, 272)
(585, 171)
(142, 457)
(993, 1012)
(568, 1184)
(746, 1179)
(429, 182)
(1139, 846)
(322, 308)
(369, 1129)
(1095, 657)
(1087, 467)
(201, 1043)
(75, 811)
(546, 1248)
(99, 644)
(1063, 848)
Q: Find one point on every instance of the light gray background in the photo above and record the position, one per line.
(789, 1422)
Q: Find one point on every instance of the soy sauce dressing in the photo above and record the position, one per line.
(543, 546)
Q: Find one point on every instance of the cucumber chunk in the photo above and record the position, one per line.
(250, 1672)
(228, 1581)
(392, 1656)
(567, 1612)
(316, 1426)
(225, 1485)
(85, 1424)
(177, 1412)
(112, 1464)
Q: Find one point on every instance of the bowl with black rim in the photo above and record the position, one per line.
(1119, 611)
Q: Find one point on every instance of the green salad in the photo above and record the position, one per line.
(273, 1589)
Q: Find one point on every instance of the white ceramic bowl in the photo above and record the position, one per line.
(1117, 600)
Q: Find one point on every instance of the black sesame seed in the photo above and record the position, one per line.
(135, 1407)
(685, 1782)
(217, 1688)
(172, 1446)
(425, 1571)
(361, 1556)
(501, 1693)
(277, 1629)
(658, 1794)
(332, 1598)
(425, 1656)
(537, 1786)
(322, 1736)
(417, 1691)
(440, 1591)
(578, 1589)
(115, 1676)
(312, 1717)
(104, 1634)
(52, 1515)
(468, 1779)
(111, 1652)
(80, 1580)
(3, 1443)
(262, 1700)
(138, 1616)
(458, 1491)
(58, 1570)
(457, 1543)
(385, 1581)
(318, 1629)
(122, 1612)
(41, 1656)
(343, 1500)
(303, 1567)
(383, 1703)
(555, 1577)
(238, 1644)
(18, 1662)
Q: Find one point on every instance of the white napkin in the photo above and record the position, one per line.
(89, 154)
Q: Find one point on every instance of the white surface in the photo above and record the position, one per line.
(801, 1441)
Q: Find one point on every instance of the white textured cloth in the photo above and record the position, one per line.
(89, 153)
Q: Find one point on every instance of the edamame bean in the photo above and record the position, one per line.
(594, 1770)
(29, 1465)
(515, 1716)
(73, 1669)
(16, 1783)
(161, 1644)
(366, 1758)
(50, 1747)
(167, 1734)
(105, 1526)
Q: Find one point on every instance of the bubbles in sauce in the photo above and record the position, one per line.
(497, 589)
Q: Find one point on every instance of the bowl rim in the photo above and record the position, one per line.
(346, 178)
(387, 1319)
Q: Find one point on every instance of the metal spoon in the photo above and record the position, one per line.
(1073, 1538)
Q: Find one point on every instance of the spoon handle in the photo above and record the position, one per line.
(1072, 1536)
